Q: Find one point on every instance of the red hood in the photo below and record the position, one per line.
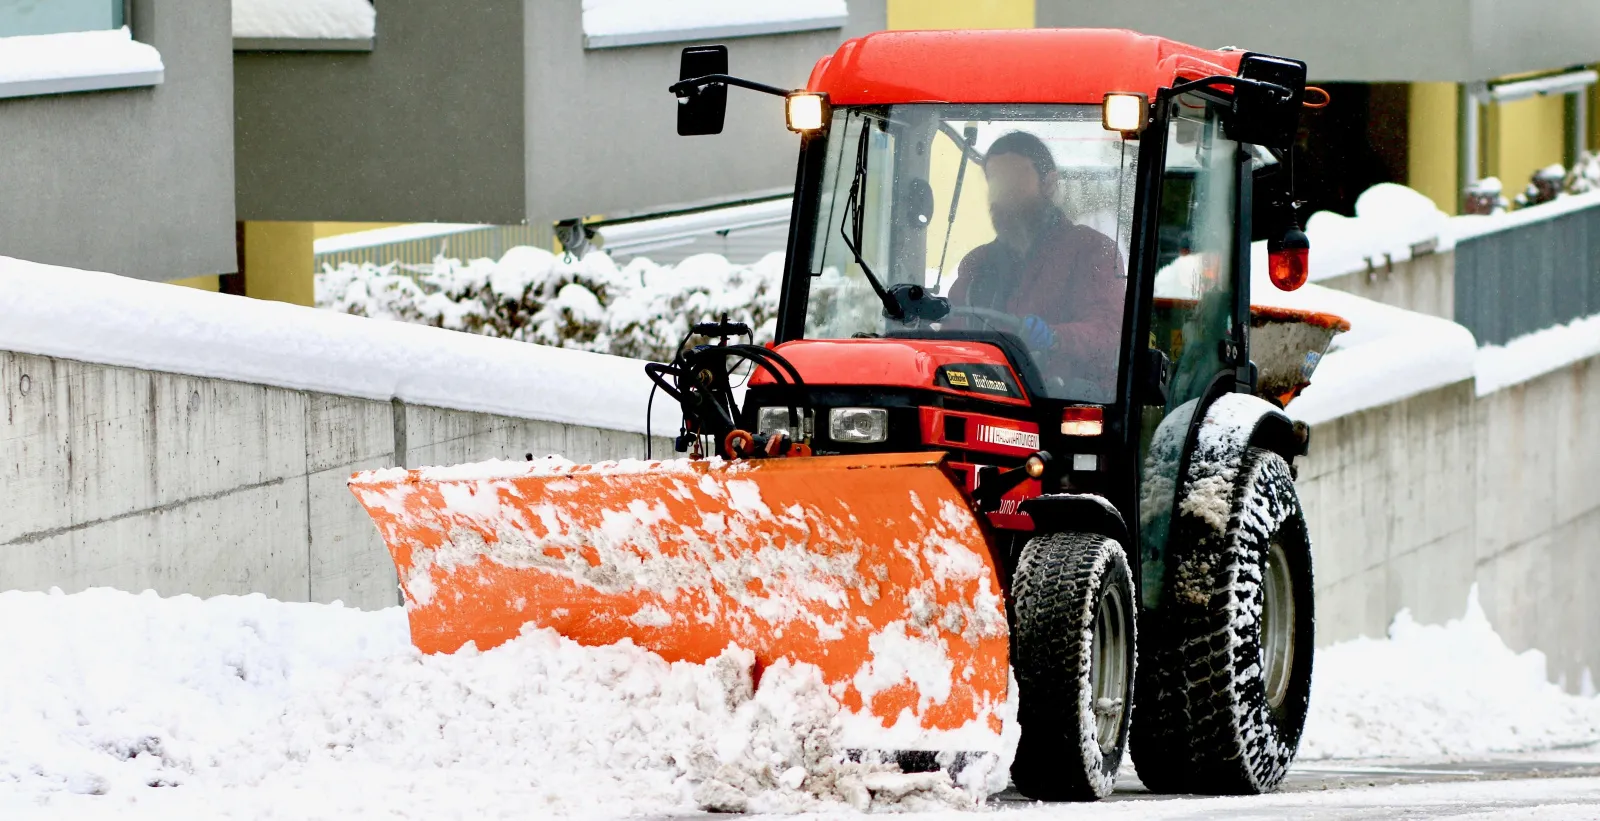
(925, 364)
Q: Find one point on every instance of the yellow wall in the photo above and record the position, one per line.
(204, 283)
(1523, 137)
(334, 229)
(960, 14)
(278, 261)
(1431, 138)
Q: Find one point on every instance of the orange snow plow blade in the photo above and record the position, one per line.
(872, 568)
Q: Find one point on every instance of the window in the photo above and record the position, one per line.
(65, 46)
(21, 18)
(1019, 215)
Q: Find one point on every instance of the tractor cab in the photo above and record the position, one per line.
(1013, 244)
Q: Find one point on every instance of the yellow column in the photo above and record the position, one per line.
(1432, 148)
(961, 14)
(1525, 136)
(278, 261)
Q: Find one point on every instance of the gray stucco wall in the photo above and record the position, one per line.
(137, 181)
(1365, 40)
(623, 152)
(427, 127)
(498, 114)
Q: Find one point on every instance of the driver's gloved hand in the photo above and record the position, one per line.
(1038, 333)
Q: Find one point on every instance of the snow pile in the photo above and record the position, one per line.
(1434, 690)
(1388, 354)
(78, 54)
(1392, 223)
(1536, 354)
(248, 705)
(305, 19)
(625, 17)
(640, 310)
(112, 320)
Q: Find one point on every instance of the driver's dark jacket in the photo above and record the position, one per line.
(1071, 278)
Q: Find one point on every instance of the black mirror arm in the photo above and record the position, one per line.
(1284, 94)
(693, 85)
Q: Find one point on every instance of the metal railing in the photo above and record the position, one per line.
(1533, 273)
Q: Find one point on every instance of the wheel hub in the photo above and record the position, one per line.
(1109, 667)
(1277, 625)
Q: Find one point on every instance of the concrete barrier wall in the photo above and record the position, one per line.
(1425, 284)
(1411, 503)
(138, 479)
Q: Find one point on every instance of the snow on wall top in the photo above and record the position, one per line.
(305, 19)
(614, 23)
(47, 57)
(1388, 354)
(113, 320)
(1533, 355)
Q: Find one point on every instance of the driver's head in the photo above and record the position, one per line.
(1021, 175)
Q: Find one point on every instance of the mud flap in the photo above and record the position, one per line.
(872, 568)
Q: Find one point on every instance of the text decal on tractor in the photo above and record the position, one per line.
(1010, 423)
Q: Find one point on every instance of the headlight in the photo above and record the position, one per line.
(860, 425)
(777, 420)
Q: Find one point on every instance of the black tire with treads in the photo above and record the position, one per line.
(1205, 724)
(1057, 592)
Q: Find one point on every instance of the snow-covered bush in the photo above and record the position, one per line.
(641, 310)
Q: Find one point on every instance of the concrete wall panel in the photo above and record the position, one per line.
(137, 181)
(1411, 503)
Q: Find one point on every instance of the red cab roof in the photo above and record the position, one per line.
(1009, 66)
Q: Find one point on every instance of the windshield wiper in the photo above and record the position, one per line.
(967, 142)
(902, 301)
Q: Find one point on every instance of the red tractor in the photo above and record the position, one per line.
(1010, 419)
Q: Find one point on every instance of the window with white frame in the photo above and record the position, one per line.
(66, 46)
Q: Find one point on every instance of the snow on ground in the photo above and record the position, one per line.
(305, 19)
(247, 707)
(113, 320)
(1437, 690)
(244, 707)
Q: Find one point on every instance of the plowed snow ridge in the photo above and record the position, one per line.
(250, 707)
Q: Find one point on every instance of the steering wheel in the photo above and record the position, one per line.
(991, 319)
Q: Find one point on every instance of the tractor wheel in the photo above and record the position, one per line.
(1072, 648)
(1225, 672)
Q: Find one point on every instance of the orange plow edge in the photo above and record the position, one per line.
(871, 568)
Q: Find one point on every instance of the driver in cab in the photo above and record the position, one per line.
(1062, 281)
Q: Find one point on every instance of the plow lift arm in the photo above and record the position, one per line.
(698, 379)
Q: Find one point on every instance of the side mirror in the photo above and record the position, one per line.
(1261, 113)
(701, 109)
